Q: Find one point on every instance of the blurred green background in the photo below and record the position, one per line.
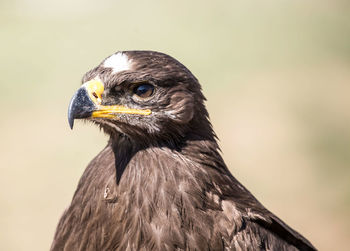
(276, 75)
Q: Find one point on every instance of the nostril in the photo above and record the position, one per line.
(94, 94)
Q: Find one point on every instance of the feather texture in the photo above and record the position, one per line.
(163, 185)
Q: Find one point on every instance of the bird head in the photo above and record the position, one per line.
(144, 95)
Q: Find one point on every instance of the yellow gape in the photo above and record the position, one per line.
(95, 89)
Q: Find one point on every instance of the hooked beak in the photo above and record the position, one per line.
(86, 103)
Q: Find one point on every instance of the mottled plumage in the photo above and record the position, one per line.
(161, 183)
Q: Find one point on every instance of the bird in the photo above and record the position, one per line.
(161, 182)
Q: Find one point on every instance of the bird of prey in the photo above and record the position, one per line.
(160, 183)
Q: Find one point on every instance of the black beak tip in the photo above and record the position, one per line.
(80, 106)
(71, 122)
(71, 113)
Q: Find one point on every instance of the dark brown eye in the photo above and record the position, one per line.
(144, 90)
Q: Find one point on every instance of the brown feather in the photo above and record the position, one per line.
(162, 184)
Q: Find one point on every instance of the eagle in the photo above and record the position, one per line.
(161, 182)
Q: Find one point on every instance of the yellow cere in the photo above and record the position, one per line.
(95, 89)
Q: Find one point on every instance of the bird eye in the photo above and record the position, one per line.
(144, 90)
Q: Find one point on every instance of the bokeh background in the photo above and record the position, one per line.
(276, 75)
